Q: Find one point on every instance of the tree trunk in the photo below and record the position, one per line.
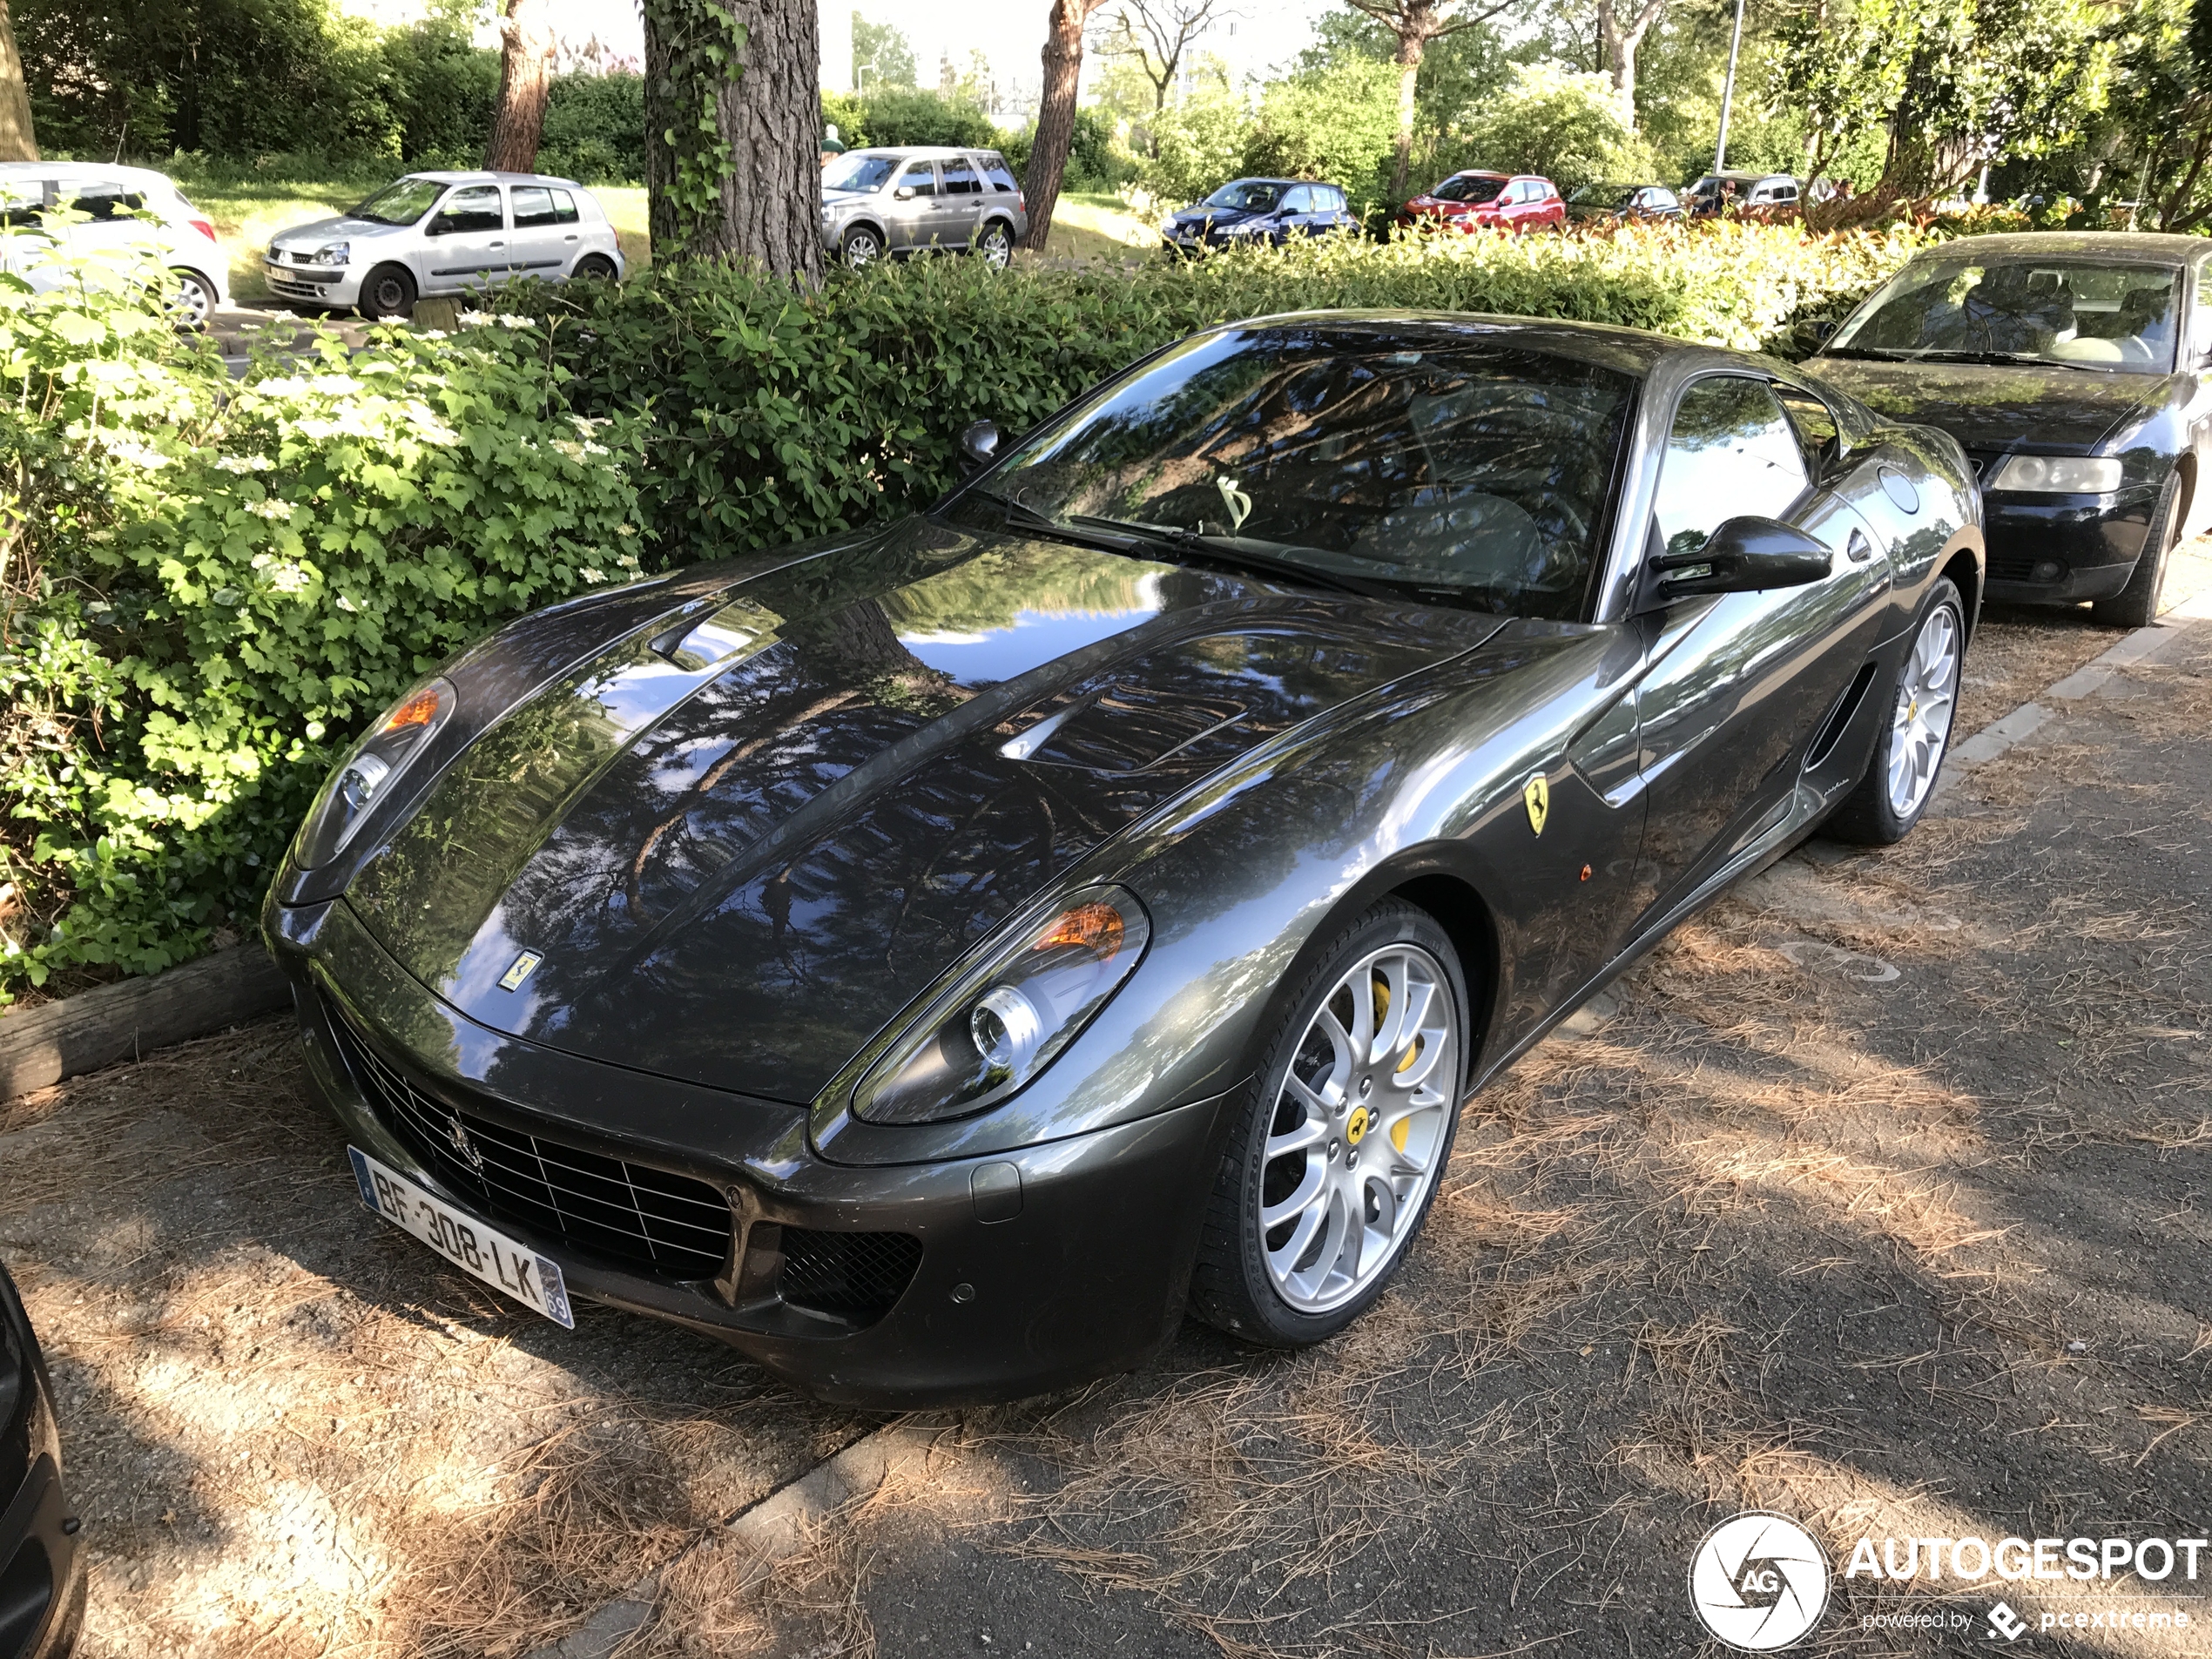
(526, 44)
(17, 141)
(734, 129)
(1410, 48)
(1620, 40)
(1063, 68)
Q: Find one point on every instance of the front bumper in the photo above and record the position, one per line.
(42, 1568)
(314, 285)
(1039, 1268)
(2064, 549)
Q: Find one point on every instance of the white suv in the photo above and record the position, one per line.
(443, 232)
(52, 210)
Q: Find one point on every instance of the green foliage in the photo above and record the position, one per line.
(1095, 162)
(595, 129)
(1569, 127)
(777, 417)
(884, 52)
(900, 116)
(703, 47)
(1196, 145)
(440, 91)
(1338, 122)
(210, 584)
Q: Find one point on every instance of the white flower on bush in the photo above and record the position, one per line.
(276, 512)
(347, 604)
(128, 449)
(591, 573)
(283, 575)
(243, 463)
(473, 319)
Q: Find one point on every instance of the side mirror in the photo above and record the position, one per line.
(904, 193)
(435, 227)
(979, 445)
(1747, 555)
(1816, 332)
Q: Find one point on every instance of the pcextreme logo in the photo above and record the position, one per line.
(1758, 1582)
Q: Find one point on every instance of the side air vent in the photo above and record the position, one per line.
(1833, 733)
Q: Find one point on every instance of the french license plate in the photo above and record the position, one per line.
(464, 1241)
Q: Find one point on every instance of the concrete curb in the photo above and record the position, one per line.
(771, 1531)
(41, 1046)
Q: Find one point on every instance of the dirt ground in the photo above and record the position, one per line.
(1879, 1201)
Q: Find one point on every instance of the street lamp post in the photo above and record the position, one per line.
(1728, 91)
(860, 78)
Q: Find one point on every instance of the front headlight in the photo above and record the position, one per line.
(2058, 475)
(1003, 1021)
(334, 254)
(370, 771)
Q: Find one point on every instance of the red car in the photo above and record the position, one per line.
(1489, 201)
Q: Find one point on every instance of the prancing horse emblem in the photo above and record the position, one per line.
(462, 1144)
(519, 970)
(1536, 795)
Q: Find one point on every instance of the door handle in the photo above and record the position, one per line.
(571, 239)
(1858, 549)
(494, 244)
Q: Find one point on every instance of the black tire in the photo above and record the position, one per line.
(996, 244)
(862, 246)
(1229, 1285)
(2136, 605)
(1869, 816)
(388, 294)
(593, 267)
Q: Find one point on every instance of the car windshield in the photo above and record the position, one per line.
(1452, 469)
(1245, 197)
(859, 171)
(400, 204)
(1468, 189)
(2084, 313)
(1607, 195)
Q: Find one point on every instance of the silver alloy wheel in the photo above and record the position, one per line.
(1353, 1144)
(193, 302)
(997, 247)
(862, 248)
(1926, 697)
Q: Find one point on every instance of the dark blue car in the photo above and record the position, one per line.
(1272, 209)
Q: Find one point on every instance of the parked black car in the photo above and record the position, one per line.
(2076, 368)
(1618, 201)
(42, 1569)
(933, 958)
(1272, 209)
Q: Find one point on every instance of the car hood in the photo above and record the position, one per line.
(734, 872)
(1999, 406)
(317, 232)
(1192, 217)
(1443, 206)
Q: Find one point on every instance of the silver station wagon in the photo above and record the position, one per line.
(443, 233)
(876, 202)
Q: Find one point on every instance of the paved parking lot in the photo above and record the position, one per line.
(1879, 1199)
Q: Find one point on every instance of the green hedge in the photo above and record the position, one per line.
(206, 587)
(777, 417)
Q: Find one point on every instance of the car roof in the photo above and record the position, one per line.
(2133, 247)
(924, 151)
(1480, 172)
(485, 176)
(115, 171)
(1629, 351)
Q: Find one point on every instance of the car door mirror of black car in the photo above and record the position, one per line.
(1816, 332)
(1747, 555)
(979, 444)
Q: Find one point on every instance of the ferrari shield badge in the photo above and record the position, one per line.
(520, 970)
(1536, 795)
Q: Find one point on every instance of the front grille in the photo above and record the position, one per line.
(855, 1275)
(624, 1213)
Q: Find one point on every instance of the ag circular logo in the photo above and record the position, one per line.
(1758, 1582)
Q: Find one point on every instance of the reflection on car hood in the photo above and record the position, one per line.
(735, 873)
(1996, 406)
(321, 230)
(1193, 217)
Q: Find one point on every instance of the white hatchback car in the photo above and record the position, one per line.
(51, 211)
(444, 232)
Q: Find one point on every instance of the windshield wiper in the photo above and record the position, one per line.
(2001, 359)
(1237, 553)
(1021, 513)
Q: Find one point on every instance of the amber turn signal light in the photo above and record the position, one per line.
(1093, 928)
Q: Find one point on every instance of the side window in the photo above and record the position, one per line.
(99, 200)
(1000, 174)
(920, 178)
(2201, 330)
(960, 178)
(1297, 199)
(23, 201)
(1332, 198)
(563, 207)
(1815, 424)
(533, 206)
(1731, 451)
(476, 208)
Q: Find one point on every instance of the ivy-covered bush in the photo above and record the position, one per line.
(209, 585)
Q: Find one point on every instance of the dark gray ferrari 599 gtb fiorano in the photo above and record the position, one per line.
(934, 958)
